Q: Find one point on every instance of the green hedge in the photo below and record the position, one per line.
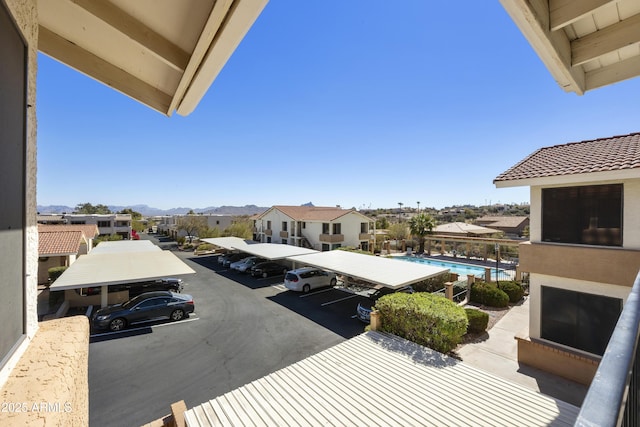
(488, 294)
(478, 320)
(55, 272)
(205, 247)
(513, 290)
(429, 320)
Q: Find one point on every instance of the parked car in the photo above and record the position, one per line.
(228, 259)
(245, 265)
(364, 308)
(269, 268)
(143, 308)
(308, 278)
(137, 288)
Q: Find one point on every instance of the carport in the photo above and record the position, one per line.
(270, 251)
(382, 271)
(115, 263)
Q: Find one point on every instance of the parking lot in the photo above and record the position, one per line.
(243, 328)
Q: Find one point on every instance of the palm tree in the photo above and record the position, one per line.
(421, 225)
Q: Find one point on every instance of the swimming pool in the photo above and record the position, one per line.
(462, 269)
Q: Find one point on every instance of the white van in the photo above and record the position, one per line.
(307, 278)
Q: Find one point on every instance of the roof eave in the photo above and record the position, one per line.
(616, 175)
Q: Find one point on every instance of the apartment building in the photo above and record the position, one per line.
(108, 224)
(584, 250)
(315, 227)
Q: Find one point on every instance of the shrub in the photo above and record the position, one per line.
(180, 241)
(55, 272)
(205, 247)
(487, 294)
(513, 290)
(478, 320)
(429, 320)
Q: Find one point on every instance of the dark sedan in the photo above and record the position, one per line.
(143, 308)
(269, 268)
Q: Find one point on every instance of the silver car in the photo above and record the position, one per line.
(308, 278)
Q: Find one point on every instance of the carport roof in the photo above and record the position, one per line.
(125, 246)
(380, 379)
(113, 267)
(271, 251)
(378, 270)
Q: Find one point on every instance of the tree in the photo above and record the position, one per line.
(241, 228)
(398, 231)
(134, 214)
(88, 208)
(191, 225)
(421, 225)
(382, 223)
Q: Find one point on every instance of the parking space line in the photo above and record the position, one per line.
(140, 328)
(310, 294)
(338, 300)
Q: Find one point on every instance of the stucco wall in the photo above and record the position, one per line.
(25, 14)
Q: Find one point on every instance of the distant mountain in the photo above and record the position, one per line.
(146, 210)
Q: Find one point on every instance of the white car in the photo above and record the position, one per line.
(308, 278)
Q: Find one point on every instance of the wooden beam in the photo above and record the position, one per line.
(553, 47)
(168, 52)
(607, 40)
(97, 68)
(627, 69)
(565, 12)
(209, 32)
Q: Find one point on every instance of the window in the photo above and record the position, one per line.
(579, 320)
(304, 225)
(13, 173)
(335, 246)
(268, 225)
(284, 225)
(337, 229)
(325, 228)
(78, 222)
(364, 227)
(325, 247)
(284, 241)
(589, 215)
(104, 223)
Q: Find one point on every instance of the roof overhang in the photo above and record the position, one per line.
(581, 178)
(270, 251)
(377, 270)
(162, 53)
(585, 44)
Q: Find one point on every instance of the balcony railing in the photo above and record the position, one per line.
(331, 238)
(612, 399)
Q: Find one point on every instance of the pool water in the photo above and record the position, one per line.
(462, 269)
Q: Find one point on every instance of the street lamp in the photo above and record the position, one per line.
(418, 207)
(400, 211)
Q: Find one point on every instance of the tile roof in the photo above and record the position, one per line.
(59, 242)
(378, 379)
(597, 155)
(501, 221)
(313, 213)
(463, 228)
(88, 230)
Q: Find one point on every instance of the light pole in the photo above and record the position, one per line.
(418, 207)
(400, 211)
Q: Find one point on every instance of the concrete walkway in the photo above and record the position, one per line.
(498, 354)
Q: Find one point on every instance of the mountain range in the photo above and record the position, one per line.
(146, 210)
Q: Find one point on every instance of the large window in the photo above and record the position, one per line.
(590, 215)
(284, 225)
(578, 320)
(13, 110)
(325, 228)
(337, 228)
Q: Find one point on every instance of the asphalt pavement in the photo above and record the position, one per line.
(243, 328)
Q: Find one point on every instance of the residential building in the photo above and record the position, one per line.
(511, 226)
(584, 250)
(169, 224)
(108, 224)
(315, 227)
(60, 245)
(169, 72)
(462, 229)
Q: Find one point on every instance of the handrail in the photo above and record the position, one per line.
(606, 402)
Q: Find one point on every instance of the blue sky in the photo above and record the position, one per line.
(358, 104)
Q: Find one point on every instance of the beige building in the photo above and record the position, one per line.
(108, 224)
(584, 249)
(315, 227)
(61, 245)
